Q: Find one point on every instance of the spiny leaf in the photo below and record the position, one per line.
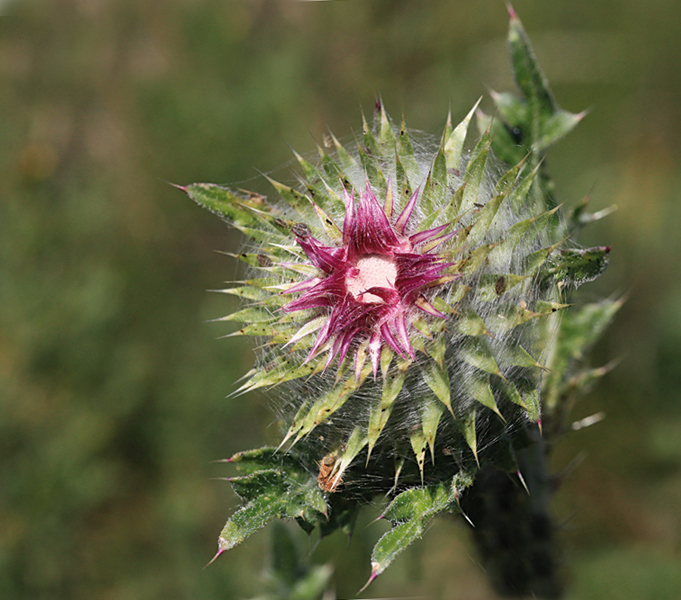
(418, 445)
(475, 172)
(392, 543)
(579, 330)
(531, 228)
(474, 260)
(354, 445)
(483, 220)
(380, 413)
(373, 172)
(466, 424)
(557, 127)
(491, 286)
(221, 202)
(477, 386)
(297, 201)
(454, 143)
(407, 158)
(577, 266)
(476, 352)
(370, 143)
(386, 136)
(251, 314)
(431, 413)
(517, 356)
(533, 261)
(411, 512)
(435, 189)
(437, 379)
(263, 459)
(527, 72)
(271, 497)
(468, 323)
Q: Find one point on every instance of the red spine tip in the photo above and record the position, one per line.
(511, 11)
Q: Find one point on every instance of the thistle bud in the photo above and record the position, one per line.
(407, 302)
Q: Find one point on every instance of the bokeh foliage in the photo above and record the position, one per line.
(112, 400)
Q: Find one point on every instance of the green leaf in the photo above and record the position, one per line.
(454, 143)
(437, 379)
(251, 314)
(287, 490)
(418, 445)
(477, 386)
(297, 201)
(407, 158)
(491, 285)
(517, 356)
(393, 542)
(544, 122)
(577, 266)
(532, 262)
(468, 323)
(476, 352)
(386, 135)
(579, 330)
(435, 189)
(381, 411)
(373, 172)
(370, 143)
(527, 72)
(467, 425)
(474, 260)
(263, 459)
(354, 445)
(247, 520)
(557, 127)
(431, 413)
(221, 202)
(475, 172)
(483, 220)
(411, 512)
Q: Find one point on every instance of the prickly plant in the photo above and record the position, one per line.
(410, 302)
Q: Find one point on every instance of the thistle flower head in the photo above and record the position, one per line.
(372, 284)
(422, 270)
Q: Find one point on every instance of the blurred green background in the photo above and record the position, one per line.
(112, 384)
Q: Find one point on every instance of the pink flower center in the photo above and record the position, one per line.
(369, 272)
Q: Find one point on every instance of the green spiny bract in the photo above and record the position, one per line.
(408, 306)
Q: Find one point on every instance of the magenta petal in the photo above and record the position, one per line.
(302, 286)
(434, 243)
(372, 232)
(423, 236)
(332, 352)
(401, 327)
(326, 258)
(345, 345)
(325, 293)
(390, 339)
(388, 295)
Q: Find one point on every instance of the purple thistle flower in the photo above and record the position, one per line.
(372, 284)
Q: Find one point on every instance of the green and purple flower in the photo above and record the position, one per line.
(446, 278)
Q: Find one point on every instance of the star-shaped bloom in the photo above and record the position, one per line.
(373, 283)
